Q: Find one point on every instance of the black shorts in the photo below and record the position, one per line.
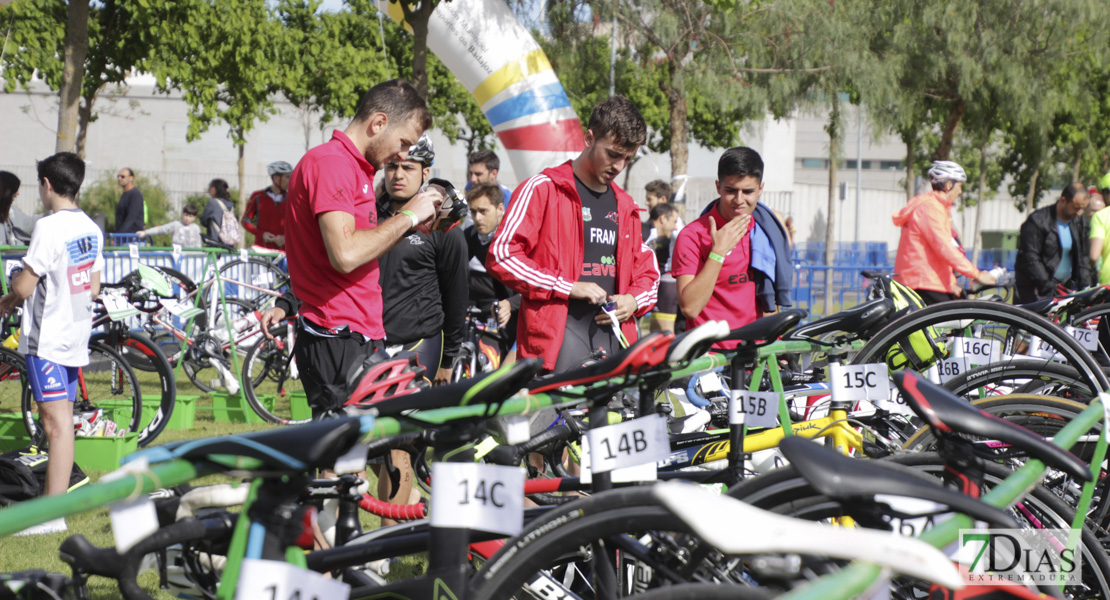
(324, 363)
(429, 353)
(930, 297)
(668, 296)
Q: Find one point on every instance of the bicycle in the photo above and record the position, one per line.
(482, 340)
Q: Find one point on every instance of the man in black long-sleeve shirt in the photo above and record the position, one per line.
(487, 207)
(423, 277)
(129, 210)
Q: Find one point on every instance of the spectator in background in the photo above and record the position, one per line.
(265, 216)
(9, 189)
(1099, 252)
(664, 221)
(1097, 202)
(219, 201)
(928, 253)
(186, 232)
(130, 209)
(1053, 248)
(483, 168)
(658, 192)
(487, 206)
(790, 230)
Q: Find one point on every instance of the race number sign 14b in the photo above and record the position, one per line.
(628, 444)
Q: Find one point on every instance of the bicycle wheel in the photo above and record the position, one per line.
(270, 379)
(784, 492)
(137, 348)
(107, 383)
(646, 545)
(257, 272)
(1014, 326)
(1094, 317)
(705, 591)
(1021, 376)
(199, 364)
(13, 388)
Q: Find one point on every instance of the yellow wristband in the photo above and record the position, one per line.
(716, 257)
(411, 215)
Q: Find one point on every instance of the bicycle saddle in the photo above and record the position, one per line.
(769, 328)
(80, 553)
(314, 445)
(848, 480)
(948, 414)
(1085, 298)
(648, 352)
(1041, 307)
(693, 343)
(859, 321)
(749, 530)
(488, 388)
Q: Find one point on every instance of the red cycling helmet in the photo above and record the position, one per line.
(380, 377)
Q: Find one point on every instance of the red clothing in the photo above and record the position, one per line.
(264, 215)
(927, 252)
(538, 252)
(332, 177)
(733, 297)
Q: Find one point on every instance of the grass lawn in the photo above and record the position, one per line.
(41, 552)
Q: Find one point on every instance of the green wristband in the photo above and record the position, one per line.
(411, 215)
(716, 257)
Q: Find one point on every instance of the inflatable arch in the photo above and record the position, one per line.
(502, 66)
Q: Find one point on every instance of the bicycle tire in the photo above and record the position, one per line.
(13, 382)
(1032, 377)
(1103, 327)
(265, 361)
(784, 492)
(705, 591)
(107, 377)
(131, 347)
(875, 350)
(580, 523)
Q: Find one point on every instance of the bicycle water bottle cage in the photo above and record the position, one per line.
(949, 415)
(850, 481)
(488, 389)
(314, 445)
(768, 329)
(859, 322)
(648, 352)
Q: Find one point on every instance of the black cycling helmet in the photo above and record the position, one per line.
(454, 208)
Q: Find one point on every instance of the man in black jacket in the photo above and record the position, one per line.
(487, 207)
(423, 277)
(1053, 247)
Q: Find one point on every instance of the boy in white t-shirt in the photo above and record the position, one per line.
(60, 280)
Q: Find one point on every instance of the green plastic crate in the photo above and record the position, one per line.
(104, 453)
(184, 410)
(232, 409)
(298, 405)
(13, 433)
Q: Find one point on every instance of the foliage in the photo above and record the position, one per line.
(103, 195)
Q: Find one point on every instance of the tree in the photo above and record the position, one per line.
(114, 45)
(224, 59)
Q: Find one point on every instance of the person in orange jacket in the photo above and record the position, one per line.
(928, 253)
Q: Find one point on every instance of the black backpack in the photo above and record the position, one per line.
(23, 475)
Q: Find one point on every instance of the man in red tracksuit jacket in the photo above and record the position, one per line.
(571, 242)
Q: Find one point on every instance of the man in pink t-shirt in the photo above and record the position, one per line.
(333, 239)
(712, 256)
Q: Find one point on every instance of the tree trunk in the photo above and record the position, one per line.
(73, 74)
(833, 129)
(84, 114)
(982, 195)
(418, 20)
(676, 101)
(944, 150)
(242, 200)
(1078, 164)
(910, 176)
(1031, 196)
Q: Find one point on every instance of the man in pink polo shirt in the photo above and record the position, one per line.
(712, 256)
(333, 239)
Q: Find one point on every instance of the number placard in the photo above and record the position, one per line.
(274, 580)
(180, 309)
(951, 368)
(118, 306)
(478, 496)
(133, 250)
(753, 409)
(628, 444)
(1041, 349)
(1105, 399)
(176, 252)
(1088, 338)
(352, 461)
(977, 352)
(637, 474)
(132, 520)
(244, 254)
(266, 278)
(860, 382)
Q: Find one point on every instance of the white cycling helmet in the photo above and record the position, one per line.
(946, 170)
(423, 151)
(279, 168)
